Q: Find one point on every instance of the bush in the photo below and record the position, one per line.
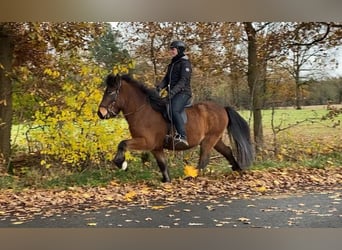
(70, 131)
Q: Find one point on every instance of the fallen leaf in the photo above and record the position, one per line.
(17, 223)
(162, 226)
(262, 189)
(243, 219)
(190, 171)
(86, 195)
(109, 198)
(210, 208)
(158, 207)
(195, 224)
(130, 195)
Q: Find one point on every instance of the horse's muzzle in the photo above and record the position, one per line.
(103, 113)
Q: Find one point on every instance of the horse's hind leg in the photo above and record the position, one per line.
(206, 146)
(228, 154)
(161, 161)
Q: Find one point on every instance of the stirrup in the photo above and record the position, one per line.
(179, 140)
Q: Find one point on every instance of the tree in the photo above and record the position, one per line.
(255, 83)
(6, 57)
(33, 46)
(213, 49)
(107, 50)
(307, 45)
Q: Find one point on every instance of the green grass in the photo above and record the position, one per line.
(286, 117)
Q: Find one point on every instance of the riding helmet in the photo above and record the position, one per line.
(179, 45)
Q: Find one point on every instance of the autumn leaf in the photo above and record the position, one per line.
(130, 195)
(109, 198)
(261, 189)
(244, 220)
(158, 207)
(190, 171)
(17, 223)
(86, 195)
(145, 190)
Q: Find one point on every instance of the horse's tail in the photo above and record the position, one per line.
(239, 133)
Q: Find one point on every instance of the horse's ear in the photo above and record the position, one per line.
(117, 78)
(111, 80)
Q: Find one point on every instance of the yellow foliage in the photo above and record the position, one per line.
(190, 171)
(52, 73)
(71, 131)
(123, 68)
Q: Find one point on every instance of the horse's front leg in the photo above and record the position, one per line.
(131, 144)
(119, 159)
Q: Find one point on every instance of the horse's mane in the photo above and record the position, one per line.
(155, 100)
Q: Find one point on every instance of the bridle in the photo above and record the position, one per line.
(116, 93)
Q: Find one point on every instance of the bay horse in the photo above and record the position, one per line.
(206, 123)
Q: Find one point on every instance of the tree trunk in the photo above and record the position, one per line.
(255, 83)
(6, 54)
(298, 94)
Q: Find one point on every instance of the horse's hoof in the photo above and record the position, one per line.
(124, 166)
(166, 180)
(189, 178)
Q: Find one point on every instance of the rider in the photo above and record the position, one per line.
(177, 79)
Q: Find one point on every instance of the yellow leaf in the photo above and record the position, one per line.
(158, 207)
(261, 189)
(86, 195)
(114, 183)
(109, 198)
(277, 183)
(190, 171)
(130, 195)
(92, 224)
(145, 190)
(315, 179)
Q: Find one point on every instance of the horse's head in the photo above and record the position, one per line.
(108, 107)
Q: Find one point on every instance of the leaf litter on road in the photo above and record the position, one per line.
(29, 203)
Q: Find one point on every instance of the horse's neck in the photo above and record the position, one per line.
(134, 102)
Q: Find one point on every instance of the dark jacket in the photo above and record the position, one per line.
(178, 75)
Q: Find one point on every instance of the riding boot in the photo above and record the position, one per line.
(181, 140)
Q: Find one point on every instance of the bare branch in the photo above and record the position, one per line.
(324, 36)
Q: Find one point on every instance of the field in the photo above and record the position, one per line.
(297, 138)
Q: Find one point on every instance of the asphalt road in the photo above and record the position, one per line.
(314, 210)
